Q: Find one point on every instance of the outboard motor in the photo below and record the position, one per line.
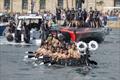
(26, 34)
(27, 38)
(85, 51)
(17, 36)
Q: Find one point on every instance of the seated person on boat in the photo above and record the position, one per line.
(53, 48)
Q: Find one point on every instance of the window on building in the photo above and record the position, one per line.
(7, 4)
(78, 3)
(117, 3)
(24, 4)
(60, 3)
(42, 4)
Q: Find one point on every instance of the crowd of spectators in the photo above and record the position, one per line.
(74, 17)
(114, 12)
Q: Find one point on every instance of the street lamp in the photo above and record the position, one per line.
(32, 6)
(95, 4)
(67, 4)
(11, 6)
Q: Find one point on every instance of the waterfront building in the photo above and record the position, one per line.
(101, 4)
(37, 5)
(24, 6)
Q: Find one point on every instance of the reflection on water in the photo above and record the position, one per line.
(12, 66)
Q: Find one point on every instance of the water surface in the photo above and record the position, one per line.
(12, 66)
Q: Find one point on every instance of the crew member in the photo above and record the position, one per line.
(61, 55)
(55, 55)
(41, 51)
(73, 52)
